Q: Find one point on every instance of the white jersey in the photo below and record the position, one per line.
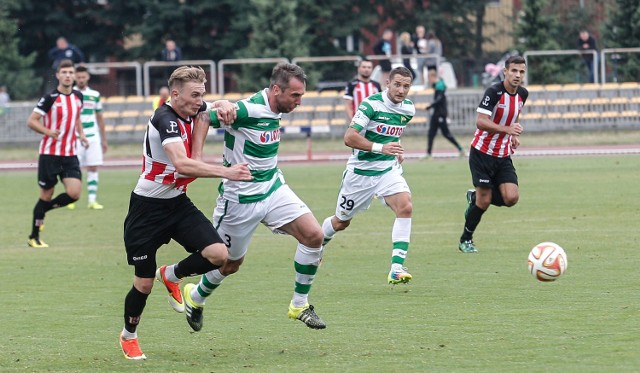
(254, 138)
(379, 120)
(91, 106)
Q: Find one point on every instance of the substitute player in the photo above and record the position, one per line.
(374, 168)
(495, 139)
(94, 129)
(57, 118)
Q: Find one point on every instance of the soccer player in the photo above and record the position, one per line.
(495, 139)
(374, 168)
(159, 209)
(439, 115)
(241, 206)
(360, 88)
(57, 118)
(94, 129)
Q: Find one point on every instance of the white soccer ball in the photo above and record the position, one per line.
(547, 261)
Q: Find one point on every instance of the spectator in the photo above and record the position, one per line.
(586, 42)
(4, 99)
(64, 50)
(383, 48)
(406, 48)
(420, 45)
(434, 48)
(171, 51)
(163, 97)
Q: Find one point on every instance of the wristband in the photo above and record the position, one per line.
(376, 148)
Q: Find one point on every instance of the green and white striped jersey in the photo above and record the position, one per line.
(254, 138)
(379, 120)
(91, 105)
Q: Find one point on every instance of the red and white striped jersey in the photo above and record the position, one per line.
(357, 90)
(60, 112)
(504, 109)
(159, 178)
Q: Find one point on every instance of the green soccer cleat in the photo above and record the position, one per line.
(471, 200)
(467, 247)
(399, 276)
(307, 315)
(71, 206)
(193, 311)
(37, 243)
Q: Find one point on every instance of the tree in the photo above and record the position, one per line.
(622, 30)
(276, 32)
(15, 69)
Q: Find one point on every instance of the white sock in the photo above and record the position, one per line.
(327, 228)
(170, 273)
(128, 335)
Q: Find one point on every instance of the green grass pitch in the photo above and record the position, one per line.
(62, 307)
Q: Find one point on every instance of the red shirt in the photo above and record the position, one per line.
(60, 112)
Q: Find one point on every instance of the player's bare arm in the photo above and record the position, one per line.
(102, 127)
(353, 139)
(34, 122)
(484, 123)
(348, 107)
(226, 111)
(201, 125)
(195, 168)
(83, 139)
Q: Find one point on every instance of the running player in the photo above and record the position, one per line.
(374, 168)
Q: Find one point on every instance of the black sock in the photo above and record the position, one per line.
(134, 304)
(472, 221)
(61, 200)
(496, 197)
(38, 217)
(194, 264)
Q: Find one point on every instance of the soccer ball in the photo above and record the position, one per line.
(547, 261)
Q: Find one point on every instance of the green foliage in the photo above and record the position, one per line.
(15, 70)
(622, 30)
(463, 313)
(276, 32)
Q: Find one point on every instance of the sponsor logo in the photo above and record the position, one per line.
(263, 124)
(173, 127)
(138, 258)
(390, 130)
(270, 136)
(486, 181)
(362, 107)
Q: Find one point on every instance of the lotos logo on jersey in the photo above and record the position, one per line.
(270, 136)
(390, 130)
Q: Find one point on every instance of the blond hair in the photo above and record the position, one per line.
(184, 74)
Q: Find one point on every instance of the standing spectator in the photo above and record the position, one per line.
(4, 99)
(439, 115)
(64, 50)
(375, 168)
(586, 42)
(254, 138)
(383, 48)
(57, 118)
(360, 88)
(159, 208)
(434, 48)
(420, 45)
(94, 129)
(496, 138)
(406, 48)
(171, 51)
(162, 98)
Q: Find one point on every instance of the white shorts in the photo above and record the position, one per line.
(357, 191)
(236, 222)
(91, 156)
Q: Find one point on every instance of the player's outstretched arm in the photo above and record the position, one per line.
(194, 168)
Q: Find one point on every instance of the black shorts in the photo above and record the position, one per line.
(153, 222)
(488, 171)
(52, 167)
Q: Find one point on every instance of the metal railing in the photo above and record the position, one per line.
(242, 61)
(562, 52)
(149, 64)
(122, 65)
(606, 51)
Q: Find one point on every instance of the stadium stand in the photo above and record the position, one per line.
(549, 107)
